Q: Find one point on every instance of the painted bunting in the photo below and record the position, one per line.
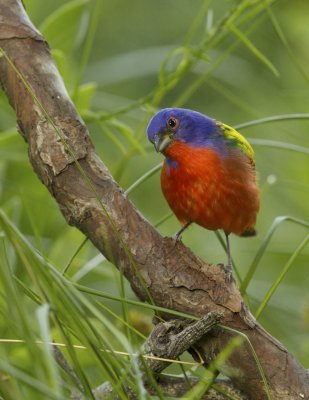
(208, 175)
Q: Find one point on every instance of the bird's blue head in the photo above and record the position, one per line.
(178, 124)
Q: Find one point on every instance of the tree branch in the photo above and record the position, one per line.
(175, 277)
(177, 387)
(169, 340)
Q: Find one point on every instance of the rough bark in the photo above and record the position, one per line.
(173, 386)
(169, 340)
(175, 277)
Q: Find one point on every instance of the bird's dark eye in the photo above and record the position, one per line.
(172, 123)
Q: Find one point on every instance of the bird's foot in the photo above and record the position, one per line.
(228, 272)
(177, 237)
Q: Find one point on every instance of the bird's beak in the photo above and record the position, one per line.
(161, 141)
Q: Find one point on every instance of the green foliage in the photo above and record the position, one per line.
(233, 60)
(64, 29)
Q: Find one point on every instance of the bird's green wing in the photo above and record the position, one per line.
(236, 139)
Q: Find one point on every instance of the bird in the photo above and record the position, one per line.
(208, 175)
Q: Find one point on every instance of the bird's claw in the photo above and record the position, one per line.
(228, 272)
(178, 234)
(177, 237)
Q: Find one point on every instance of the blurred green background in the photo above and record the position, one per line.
(237, 61)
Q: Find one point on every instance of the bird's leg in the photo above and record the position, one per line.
(228, 268)
(178, 234)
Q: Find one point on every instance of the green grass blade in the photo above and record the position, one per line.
(279, 145)
(133, 302)
(90, 36)
(244, 39)
(143, 178)
(212, 40)
(275, 225)
(42, 314)
(238, 101)
(163, 219)
(285, 43)
(281, 276)
(62, 26)
(28, 292)
(12, 294)
(119, 319)
(74, 313)
(8, 136)
(127, 133)
(81, 171)
(197, 22)
(113, 138)
(103, 115)
(88, 267)
(208, 376)
(79, 248)
(29, 381)
(255, 356)
(124, 306)
(273, 118)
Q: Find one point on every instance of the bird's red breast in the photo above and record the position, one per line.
(214, 191)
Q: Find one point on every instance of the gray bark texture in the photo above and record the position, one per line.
(175, 277)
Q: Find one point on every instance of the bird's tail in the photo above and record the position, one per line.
(249, 232)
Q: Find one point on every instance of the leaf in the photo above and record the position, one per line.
(128, 133)
(253, 49)
(63, 29)
(84, 96)
(11, 147)
(64, 66)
